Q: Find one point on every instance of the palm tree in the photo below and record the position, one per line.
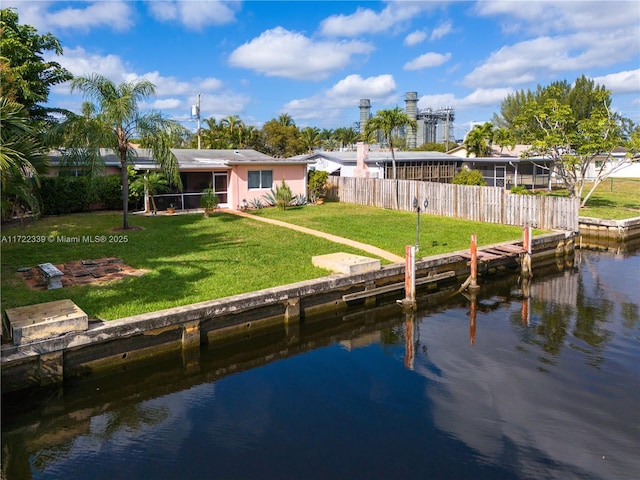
(388, 121)
(149, 185)
(120, 120)
(232, 125)
(22, 159)
(285, 120)
(311, 138)
(479, 140)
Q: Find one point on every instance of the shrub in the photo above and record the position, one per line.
(317, 183)
(283, 196)
(61, 195)
(521, 190)
(108, 191)
(208, 200)
(469, 177)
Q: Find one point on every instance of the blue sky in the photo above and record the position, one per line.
(316, 60)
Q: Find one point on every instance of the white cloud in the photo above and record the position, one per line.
(342, 98)
(441, 31)
(82, 63)
(549, 57)
(415, 38)
(367, 21)
(47, 16)
(354, 86)
(283, 53)
(621, 82)
(427, 60)
(195, 14)
(167, 104)
(541, 17)
(171, 92)
(491, 97)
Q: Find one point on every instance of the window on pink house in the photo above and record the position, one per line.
(260, 179)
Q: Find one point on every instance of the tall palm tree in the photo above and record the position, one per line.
(388, 122)
(120, 120)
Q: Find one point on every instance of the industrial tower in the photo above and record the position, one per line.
(433, 125)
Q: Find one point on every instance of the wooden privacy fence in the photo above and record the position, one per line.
(484, 204)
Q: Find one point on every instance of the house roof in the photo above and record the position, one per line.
(375, 156)
(496, 151)
(194, 159)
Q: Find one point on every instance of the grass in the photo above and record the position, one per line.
(615, 198)
(393, 230)
(190, 258)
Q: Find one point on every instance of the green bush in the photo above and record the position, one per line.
(469, 177)
(108, 191)
(317, 183)
(62, 195)
(521, 190)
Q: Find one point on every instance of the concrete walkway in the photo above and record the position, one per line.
(334, 238)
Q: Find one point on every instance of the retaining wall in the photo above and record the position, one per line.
(114, 344)
(619, 230)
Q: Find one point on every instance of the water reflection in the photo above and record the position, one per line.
(525, 379)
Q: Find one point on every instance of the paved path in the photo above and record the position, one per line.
(334, 238)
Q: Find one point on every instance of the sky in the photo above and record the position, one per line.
(315, 60)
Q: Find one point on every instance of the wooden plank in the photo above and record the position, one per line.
(510, 248)
(351, 297)
(435, 277)
(483, 255)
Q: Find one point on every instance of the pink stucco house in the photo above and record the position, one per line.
(237, 176)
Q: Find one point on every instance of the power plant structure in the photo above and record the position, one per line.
(433, 125)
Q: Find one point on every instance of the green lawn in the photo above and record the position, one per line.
(392, 230)
(190, 258)
(615, 198)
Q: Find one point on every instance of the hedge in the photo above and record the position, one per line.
(62, 195)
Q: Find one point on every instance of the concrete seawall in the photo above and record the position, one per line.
(115, 344)
(605, 229)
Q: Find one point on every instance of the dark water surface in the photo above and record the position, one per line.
(544, 387)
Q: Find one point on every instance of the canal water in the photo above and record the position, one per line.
(528, 380)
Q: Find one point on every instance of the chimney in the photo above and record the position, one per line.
(362, 155)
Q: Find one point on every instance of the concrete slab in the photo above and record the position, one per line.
(45, 320)
(346, 263)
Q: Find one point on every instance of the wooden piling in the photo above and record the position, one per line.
(473, 250)
(525, 261)
(409, 301)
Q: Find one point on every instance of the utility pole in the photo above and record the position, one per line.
(195, 112)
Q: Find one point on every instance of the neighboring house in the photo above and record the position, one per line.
(237, 176)
(505, 167)
(630, 169)
(413, 165)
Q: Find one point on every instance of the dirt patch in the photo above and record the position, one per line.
(83, 272)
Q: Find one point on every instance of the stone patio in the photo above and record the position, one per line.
(83, 272)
